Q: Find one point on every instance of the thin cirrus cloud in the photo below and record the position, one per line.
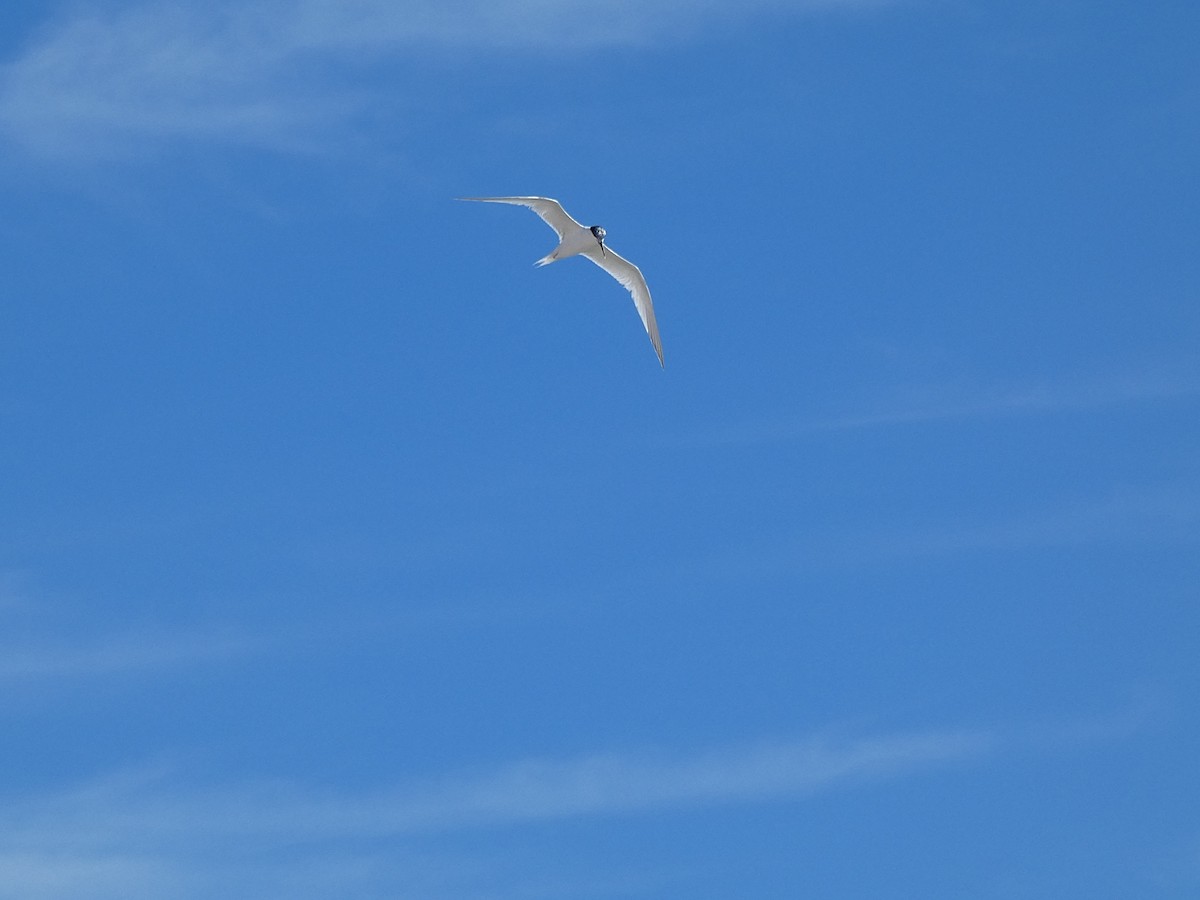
(1158, 514)
(1148, 515)
(948, 404)
(136, 830)
(278, 74)
(42, 647)
(527, 791)
(118, 655)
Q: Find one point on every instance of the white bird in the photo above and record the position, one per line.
(575, 239)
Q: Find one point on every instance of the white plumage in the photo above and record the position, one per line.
(579, 240)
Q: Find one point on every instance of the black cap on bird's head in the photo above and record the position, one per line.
(598, 233)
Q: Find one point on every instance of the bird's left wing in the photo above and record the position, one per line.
(631, 279)
(550, 210)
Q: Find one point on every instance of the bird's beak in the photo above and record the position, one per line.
(603, 252)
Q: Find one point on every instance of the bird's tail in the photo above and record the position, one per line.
(548, 258)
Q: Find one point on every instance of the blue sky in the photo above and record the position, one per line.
(345, 554)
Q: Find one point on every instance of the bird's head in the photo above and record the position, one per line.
(598, 233)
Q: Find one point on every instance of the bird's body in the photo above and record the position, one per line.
(581, 240)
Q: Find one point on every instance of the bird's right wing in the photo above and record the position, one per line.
(550, 210)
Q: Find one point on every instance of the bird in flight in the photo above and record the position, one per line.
(575, 239)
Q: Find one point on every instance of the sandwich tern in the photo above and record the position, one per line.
(580, 240)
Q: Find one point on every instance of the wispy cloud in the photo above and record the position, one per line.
(527, 791)
(1163, 515)
(279, 73)
(128, 832)
(911, 407)
(29, 662)
(99, 85)
(622, 784)
(38, 875)
(45, 641)
(155, 832)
